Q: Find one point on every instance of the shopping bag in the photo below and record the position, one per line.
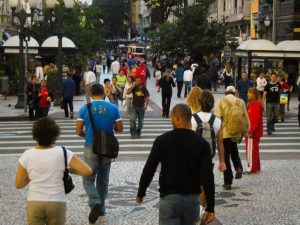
(283, 99)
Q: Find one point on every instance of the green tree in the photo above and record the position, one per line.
(192, 33)
(115, 16)
(165, 7)
(83, 25)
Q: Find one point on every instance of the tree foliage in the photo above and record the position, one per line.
(82, 24)
(164, 7)
(115, 16)
(193, 32)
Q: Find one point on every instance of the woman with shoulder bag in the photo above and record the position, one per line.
(42, 168)
(127, 98)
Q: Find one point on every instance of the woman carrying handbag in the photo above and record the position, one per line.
(42, 168)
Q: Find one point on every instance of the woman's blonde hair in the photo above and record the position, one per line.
(193, 99)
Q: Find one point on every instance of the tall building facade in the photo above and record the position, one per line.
(287, 20)
(236, 14)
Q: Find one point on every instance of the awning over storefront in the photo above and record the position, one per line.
(12, 45)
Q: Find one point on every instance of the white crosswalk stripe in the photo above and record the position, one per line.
(15, 137)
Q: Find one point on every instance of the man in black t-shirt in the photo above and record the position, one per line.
(272, 98)
(186, 164)
(140, 101)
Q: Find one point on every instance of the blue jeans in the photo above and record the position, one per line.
(101, 168)
(136, 113)
(187, 87)
(272, 111)
(175, 209)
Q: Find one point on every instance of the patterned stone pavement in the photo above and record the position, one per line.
(270, 197)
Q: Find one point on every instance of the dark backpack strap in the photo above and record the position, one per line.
(197, 118)
(211, 123)
(65, 156)
(89, 106)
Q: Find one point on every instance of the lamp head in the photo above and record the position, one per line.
(13, 3)
(267, 21)
(50, 4)
(69, 4)
(32, 4)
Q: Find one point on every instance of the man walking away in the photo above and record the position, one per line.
(272, 98)
(235, 124)
(179, 78)
(115, 67)
(185, 164)
(187, 80)
(204, 80)
(106, 118)
(140, 101)
(90, 79)
(68, 93)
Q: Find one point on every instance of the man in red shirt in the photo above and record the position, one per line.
(141, 73)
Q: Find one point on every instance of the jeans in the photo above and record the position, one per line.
(101, 168)
(68, 103)
(272, 111)
(175, 209)
(231, 151)
(136, 113)
(187, 87)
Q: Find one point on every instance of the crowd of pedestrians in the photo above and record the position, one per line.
(187, 154)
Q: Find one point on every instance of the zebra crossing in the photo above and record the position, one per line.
(15, 137)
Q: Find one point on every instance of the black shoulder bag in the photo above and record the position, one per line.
(68, 182)
(105, 144)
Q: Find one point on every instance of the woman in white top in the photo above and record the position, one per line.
(39, 72)
(42, 168)
(261, 82)
(228, 75)
(127, 98)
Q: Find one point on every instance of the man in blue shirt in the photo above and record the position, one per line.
(242, 87)
(68, 92)
(179, 79)
(106, 118)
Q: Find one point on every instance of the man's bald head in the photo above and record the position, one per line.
(181, 116)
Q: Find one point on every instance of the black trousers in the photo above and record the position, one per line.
(166, 101)
(33, 114)
(68, 103)
(179, 88)
(231, 151)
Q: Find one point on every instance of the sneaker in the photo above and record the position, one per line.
(133, 137)
(95, 213)
(66, 118)
(227, 187)
(269, 132)
(239, 173)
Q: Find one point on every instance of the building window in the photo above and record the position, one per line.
(224, 6)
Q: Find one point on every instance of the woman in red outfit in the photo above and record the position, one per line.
(255, 113)
(45, 99)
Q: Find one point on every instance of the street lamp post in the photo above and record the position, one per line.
(267, 23)
(22, 15)
(58, 15)
(256, 23)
